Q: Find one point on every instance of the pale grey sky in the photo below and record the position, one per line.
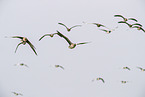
(103, 57)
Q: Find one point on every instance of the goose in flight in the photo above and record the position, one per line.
(22, 64)
(100, 79)
(24, 40)
(126, 68)
(125, 19)
(17, 94)
(59, 66)
(71, 45)
(124, 82)
(141, 68)
(139, 28)
(69, 29)
(51, 35)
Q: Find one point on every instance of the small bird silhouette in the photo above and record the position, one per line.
(69, 29)
(124, 82)
(21, 64)
(24, 40)
(51, 35)
(99, 79)
(16, 94)
(59, 66)
(71, 45)
(107, 31)
(126, 68)
(141, 68)
(139, 28)
(125, 19)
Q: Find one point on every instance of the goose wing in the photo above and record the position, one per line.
(121, 22)
(61, 35)
(104, 30)
(142, 29)
(102, 80)
(82, 43)
(18, 46)
(75, 26)
(140, 68)
(32, 46)
(18, 37)
(133, 19)
(44, 36)
(63, 25)
(137, 24)
(119, 16)
(128, 68)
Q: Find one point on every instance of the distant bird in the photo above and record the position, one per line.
(141, 69)
(51, 35)
(69, 29)
(125, 19)
(59, 66)
(22, 64)
(126, 68)
(24, 40)
(124, 82)
(139, 28)
(71, 45)
(16, 94)
(100, 79)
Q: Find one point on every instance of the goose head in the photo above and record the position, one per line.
(72, 46)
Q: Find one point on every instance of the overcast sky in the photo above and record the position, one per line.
(104, 57)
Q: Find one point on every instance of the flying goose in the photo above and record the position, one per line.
(139, 28)
(126, 68)
(100, 79)
(24, 40)
(71, 45)
(124, 82)
(125, 19)
(59, 66)
(17, 93)
(69, 29)
(22, 64)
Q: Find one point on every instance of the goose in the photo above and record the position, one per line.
(124, 82)
(126, 68)
(125, 19)
(100, 79)
(24, 40)
(59, 66)
(69, 29)
(71, 45)
(17, 94)
(139, 28)
(22, 64)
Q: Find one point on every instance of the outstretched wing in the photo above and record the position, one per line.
(102, 80)
(132, 19)
(121, 22)
(128, 68)
(61, 35)
(63, 25)
(142, 29)
(82, 43)
(119, 16)
(75, 26)
(17, 37)
(61, 67)
(137, 24)
(99, 25)
(18, 46)
(104, 30)
(32, 46)
(44, 36)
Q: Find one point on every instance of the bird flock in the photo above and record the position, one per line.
(72, 45)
